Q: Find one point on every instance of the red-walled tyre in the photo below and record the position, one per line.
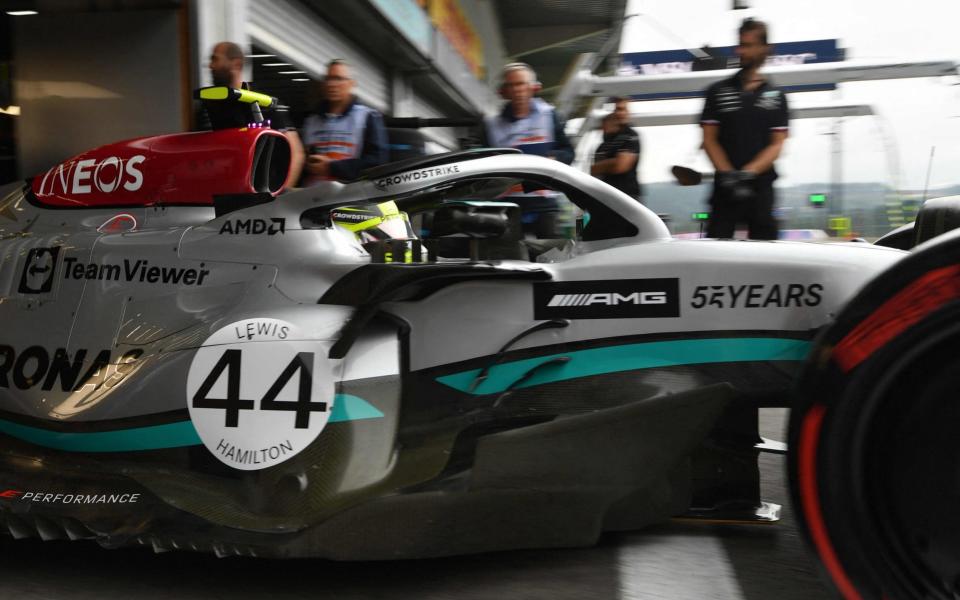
(875, 438)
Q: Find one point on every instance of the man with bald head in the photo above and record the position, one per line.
(226, 65)
(226, 69)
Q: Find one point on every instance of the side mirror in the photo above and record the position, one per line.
(469, 222)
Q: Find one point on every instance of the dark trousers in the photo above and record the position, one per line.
(756, 211)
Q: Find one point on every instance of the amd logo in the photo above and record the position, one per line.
(254, 226)
(608, 299)
(77, 177)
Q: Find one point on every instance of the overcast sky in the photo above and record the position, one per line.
(915, 114)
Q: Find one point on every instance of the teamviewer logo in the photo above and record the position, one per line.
(38, 271)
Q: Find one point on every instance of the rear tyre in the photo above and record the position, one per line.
(875, 438)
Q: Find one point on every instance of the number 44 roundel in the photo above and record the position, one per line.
(259, 393)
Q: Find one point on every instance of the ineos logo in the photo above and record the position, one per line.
(86, 176)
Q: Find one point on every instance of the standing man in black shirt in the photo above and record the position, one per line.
(744, 126)
(615, 161)
(226, 69)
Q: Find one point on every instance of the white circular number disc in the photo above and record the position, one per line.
(257, 397)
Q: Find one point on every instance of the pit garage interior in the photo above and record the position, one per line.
(67, 67)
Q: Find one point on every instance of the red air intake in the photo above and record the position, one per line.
(179, 169)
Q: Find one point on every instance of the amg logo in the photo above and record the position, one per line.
(608, 299)
(652, 298)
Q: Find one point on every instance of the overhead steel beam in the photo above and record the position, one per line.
(787, 75)
(569, 93)
(521, 41)
(691, 118)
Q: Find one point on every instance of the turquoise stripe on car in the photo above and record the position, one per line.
(629, 357)
(169, 435)
(346, 407)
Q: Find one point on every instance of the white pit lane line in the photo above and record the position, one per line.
(676, 566)
(693, 561)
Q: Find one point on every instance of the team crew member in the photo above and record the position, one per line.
(344, 137)
(226, 69)
(532, 126)
(744, 126)
(615, 161)
(621, 109)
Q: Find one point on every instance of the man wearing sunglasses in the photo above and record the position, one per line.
(343, 137)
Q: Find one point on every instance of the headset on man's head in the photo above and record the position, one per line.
(514, 66)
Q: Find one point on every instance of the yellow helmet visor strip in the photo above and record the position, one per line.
(385, 217)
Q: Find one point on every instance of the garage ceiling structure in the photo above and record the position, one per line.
(550, 35)
(82, 6)
(451, 95)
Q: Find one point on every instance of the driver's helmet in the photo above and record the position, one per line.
(383, 230)
(374, 222)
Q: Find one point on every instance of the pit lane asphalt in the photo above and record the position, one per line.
(676, 561)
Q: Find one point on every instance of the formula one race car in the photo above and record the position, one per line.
(385, 368)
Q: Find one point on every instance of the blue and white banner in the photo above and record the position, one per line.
(664, 62)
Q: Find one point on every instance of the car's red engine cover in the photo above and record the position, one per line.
(184, 169)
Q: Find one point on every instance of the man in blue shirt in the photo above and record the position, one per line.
(532, 126)
(344, 137)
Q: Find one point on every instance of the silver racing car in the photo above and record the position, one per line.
(386, 368)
